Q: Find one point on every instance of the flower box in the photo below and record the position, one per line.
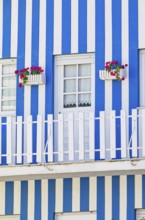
(105, 75)
(34, 79)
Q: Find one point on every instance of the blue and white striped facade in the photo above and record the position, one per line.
(34, 32)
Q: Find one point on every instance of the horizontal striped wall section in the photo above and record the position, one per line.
(111, 197)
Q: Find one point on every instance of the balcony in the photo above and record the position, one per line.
(109, 137)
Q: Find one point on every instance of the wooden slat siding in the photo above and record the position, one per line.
(81, 136)
(60, 137)
(0, 140)
(39, 138)
(9, 140)
(19, 139)
(70, 137)
(142, 132)
(50, 138)
(91, 136)
(102, 135)
(113, 134)
(134, 133)
(14, 149)
(123, 134)
(29, 139)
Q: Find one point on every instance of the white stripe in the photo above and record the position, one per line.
(14, 27)
(1, 27)
(125, 60)
(92, 193)
(141, 26)
(74, 26)
(90, 25)
(17, 197)
(123, 198)
(2, 198)
(108, 197)
(59, 196)
(31, 199)
(138, 191)
(76, 195)
(57, 26)
(44, 199)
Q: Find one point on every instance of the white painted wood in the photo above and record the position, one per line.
(134, 132)
(39, 138)
(34, 80)
(29, 139)
(142, 78)
(91, 136)
(31, 199)
(0, 140)
(1, 27)
(50, 138)
(9, 140)
(142, 132)
(102, 135)
(17, 197)
(81, 136)
(14, 27)
(59, 195)
(138, 191)
(19, 139)
(90, 25)
(60, 137)
(92, 193)
(74, 26)
(44, 199)
(71, 136)
(112, 134)
(123, 198)
(76, 216)
(123, 134)
(75, 194)
(108, 197)
(2, 198)
(141, 28)
(57, 27)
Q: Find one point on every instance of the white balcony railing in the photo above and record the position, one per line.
(67, 139)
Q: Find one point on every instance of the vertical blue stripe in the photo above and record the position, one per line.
(66, 26)
(51, 199)
(99, 64)
(9, 198)
(133, 55)
(49, 57)
(100, 198)
(143, 191)
(130, 198)
(67, 195)
(37, 209)
(84, 194)
(6, 28)
(115, 197)
(116, 50)
(24, 200)
(82, 26)
(20, 54)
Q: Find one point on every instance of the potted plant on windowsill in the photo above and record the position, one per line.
(113, 71)
(31, 76)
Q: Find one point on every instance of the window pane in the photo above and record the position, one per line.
(84, 70)
(84, 100)
(84, 85)
(69, 85)
(8, 105)
(70, 71)
(69, 101)
(9, 81)
(8, 69)
(8, 93)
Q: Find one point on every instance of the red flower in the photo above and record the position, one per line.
(126, 65)
(107, 67)
(116, 62)
(112, 74)
(22, 71)
(20, 85)
(16, 71)
(21, 76)
(107, 63)
(32, 68)
(123, 78)
(122, 66)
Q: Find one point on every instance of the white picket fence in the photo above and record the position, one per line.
(105, 137)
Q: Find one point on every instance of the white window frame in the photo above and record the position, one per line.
(72, 215)
(9, 217)
(2, 63)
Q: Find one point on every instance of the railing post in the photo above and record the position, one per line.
(39, 138)
(19, 139)
(60, 137)
(123, 134)
(143, 132)
(9, 140)
(102, 135)
(29, 139)
(70, 137)
(112, 135)
(134, 133)
(49, 138)
(91, 136)
(81, 136)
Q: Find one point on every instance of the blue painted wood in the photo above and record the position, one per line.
(143, 191)
(101, 198)
(37, 209)
(115, 197)
(67, 195)
(9, 192)
(84, 194)
(51, 199)
(130, 198)
(24, 200)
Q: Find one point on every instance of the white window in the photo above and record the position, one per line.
(140, 214)
(7, 87)
(10, 217)
(76, 216)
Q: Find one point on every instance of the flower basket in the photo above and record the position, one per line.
(34, 80)
(105, 75)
